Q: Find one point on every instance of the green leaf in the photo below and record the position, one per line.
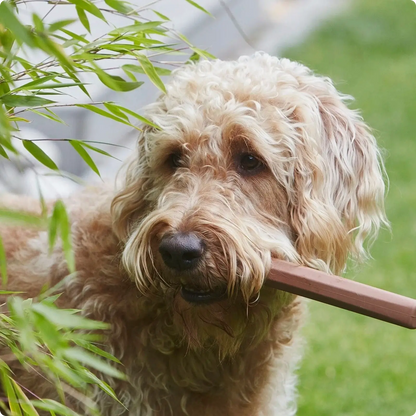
(139, 69)
(91, 360)
(102, 385)
(106, 114)
(51, 116)
(53, 225)
(65, 228)
(136, 28)
(37, 82)
(75, 36)
(39, 154)
(38, 23)
(3, 263)
(83, 18)
(11, 394)
(55, 86)
(65, 318)
(199, 7)
(24, 100)
(89, 7)
(49, 333)
(162, 16)
(120, 6)
(96, 350)
(25, 404)
(114, 108)
(96, 149)
(202, 53)
(85, 156)
(60, 24)
(3, 152)
(54, 406)
(117, 83)
(22, 218)
(9, 20)
(150, 71)
(139, 117)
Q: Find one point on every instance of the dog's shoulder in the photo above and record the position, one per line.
(30, 262)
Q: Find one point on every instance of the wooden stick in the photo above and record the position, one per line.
(343, 293)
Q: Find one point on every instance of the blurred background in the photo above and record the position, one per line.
(353, 365)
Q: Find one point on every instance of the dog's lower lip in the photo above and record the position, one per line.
(199, 296)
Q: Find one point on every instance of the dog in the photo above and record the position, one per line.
(252, 160)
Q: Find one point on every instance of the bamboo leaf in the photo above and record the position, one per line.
(25, 404)
(22, 218)
(202, 53)
(3, 264)
(120, 6)
(54, 406)
(65, 318)
(7, 385)
(106, 114)
(117, 83)
(52, 116)
(3, 152)
(136, 28)
(24, 100)
(65, 228)
(60, 24)
(139, 117)
(83, 18)
(75, 36)
(199, 7)
(95, 149)
(85, 156)
(37, 82)
(39, 154)
(139, 69)
(96, 350)
(162, 16)
(9, 20)
(89, 7)
(102, 385)
(150, 71)
(114, 108)
(53, 225)
(91, 360)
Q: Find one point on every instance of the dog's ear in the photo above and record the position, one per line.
(338, 179)
(129, 204)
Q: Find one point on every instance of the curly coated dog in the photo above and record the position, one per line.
(254, 159)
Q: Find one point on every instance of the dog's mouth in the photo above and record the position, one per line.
(202, 296)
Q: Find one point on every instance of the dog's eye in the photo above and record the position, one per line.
(249, 163)
(175, 160)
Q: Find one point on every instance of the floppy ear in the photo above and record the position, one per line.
(130, 204)
(338, 179)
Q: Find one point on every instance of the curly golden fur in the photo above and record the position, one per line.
(254, 159)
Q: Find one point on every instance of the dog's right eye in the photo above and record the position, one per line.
(175, 160)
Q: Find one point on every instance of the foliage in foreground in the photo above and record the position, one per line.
(61, 344)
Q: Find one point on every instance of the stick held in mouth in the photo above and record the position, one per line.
(343, 293)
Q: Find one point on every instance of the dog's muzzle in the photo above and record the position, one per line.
(182, 252)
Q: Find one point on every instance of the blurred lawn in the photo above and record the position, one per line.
(354, 365)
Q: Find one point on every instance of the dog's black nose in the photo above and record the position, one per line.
(181, 251)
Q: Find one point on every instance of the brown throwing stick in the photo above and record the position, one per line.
(343, 293)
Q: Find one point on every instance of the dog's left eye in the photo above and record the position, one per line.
(249, 163)
(175, 160)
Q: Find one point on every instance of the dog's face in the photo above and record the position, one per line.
(254, 159)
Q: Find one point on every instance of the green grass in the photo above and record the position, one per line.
(356, 366)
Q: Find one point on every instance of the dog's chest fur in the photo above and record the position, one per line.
(165, 376)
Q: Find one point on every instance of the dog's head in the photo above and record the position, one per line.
(254, 159)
